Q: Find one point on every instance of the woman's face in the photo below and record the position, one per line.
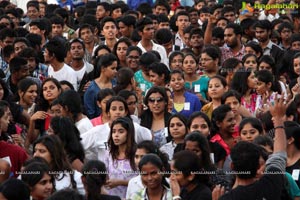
(262, 87)
(30, 95)
(50, 91)
(265, 66)
(251, 63)
(124, 30)
(1, 92)
(297, 66)
(193, 146)
(121, 51)
(208, 64)
(40, 150)
(119, 134)
(133, 60)
(43, 189)
(117, 109)
(249, 133)
(177, 128)
(110, 71)
(252, 81)
(216, 88)
(199, 124)
(139, 153)
(157, 80)
(5, 120)
(228, 123)
(234, 104)
(151, 176)
(176, 62)
(189, 65)
(156, 103)
(177, 82)
(102, 52)
(103, 102)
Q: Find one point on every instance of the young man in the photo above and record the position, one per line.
(229, 13)
(146, 31)
(103, 10)
(39, 27)
(246, 163)
(182, 21)
(285, 30)
(161, 7)
(109, 30)
(7, 37)
(68, 32)
(57, 24)
(33, 12)
(196, 41)
(194, 16)
(54, 55)
(86, 33)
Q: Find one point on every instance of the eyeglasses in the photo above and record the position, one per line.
(132, 103)
(158, 100)
(133, 57)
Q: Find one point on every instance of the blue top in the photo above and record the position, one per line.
(90, 99)
(191, 104)
(133, 4)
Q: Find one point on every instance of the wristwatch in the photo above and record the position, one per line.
(176, 198)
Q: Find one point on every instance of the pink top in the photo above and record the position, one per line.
(217, 138)
(250, 106)
(97, 121)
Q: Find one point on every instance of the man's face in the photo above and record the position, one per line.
(100, 12)
(31, 63)
(7, 41)
(22, 73)
(148, 32)
(161, 10)
(230, 38)
(262, 35)
(87, 35)
(34, 29)
(32, 12)
(164, 25)
(5, 22)
(109, 30)
(204, 17)
(77, 51)
(196, 41)
(286, 34)
(19, 46)
(57, 30)
(194, 17)
(295, 45)
(230, 16)
(182, 22)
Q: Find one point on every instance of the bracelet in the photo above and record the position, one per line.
(176, 198)
(277, 127)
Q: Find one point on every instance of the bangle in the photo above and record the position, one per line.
(176, 198)
(277, 127)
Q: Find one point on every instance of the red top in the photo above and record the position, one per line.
(97, 121)
(217, 138)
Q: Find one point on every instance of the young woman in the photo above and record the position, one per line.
(176, 60)
(266, 89)
(194, 82)
(159, 74)
(253, 48)
(125, 80)
(51, 149)
(217, 86)
(156, 187)
(245, 83)
(70, 137)
(185, 102)
(177, 129)
(41, 183)
(135, 104)
(40, 120)
(145, 147)
(95, 144)
(71, 107)
(27, 94)
(223, 127)
(133, 55)
(120, 159)
(102, 97)
(156, 116)
(195, 184)
(93, 181)
(120, 50)
(209, 61)
(250, 61)
(108, 69)
(250, 128)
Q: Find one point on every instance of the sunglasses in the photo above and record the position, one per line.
(158, 100)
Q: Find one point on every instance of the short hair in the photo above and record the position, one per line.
(295, 37)
(34, 39)
(230, 93)
(162, 18)
(182, 13)
(140, 25)
(144, 9)
(56, 48)
(285, 25)
(163, 36)
(247, 23)
(63, 13)
(218, 32)
(14, 189)
(57, 20)
(107, 19)
(196, 31)
(105, 5)
(22, 39)
(227, 9)
(85, 26)
(163, 3)
(236, 28)
(77, 40)
(128, 20)
(263, 24)
(7, 32)
(33, 4)
(16, 64)
(245, 158)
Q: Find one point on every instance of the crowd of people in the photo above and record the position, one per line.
(153, 100)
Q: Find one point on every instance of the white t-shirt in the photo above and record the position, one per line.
(65, 182)
(66, 73)
(84, 125)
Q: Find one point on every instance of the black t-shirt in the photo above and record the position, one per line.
(269, 187)
(295, 166)
(201, 191)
